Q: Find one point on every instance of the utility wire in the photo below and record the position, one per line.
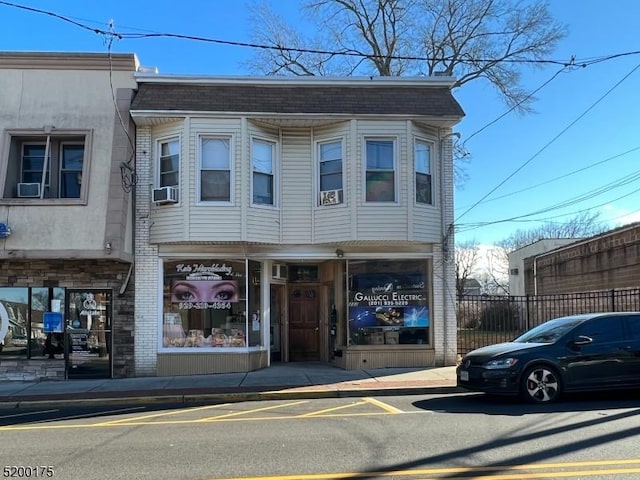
(514, 107)
(549, 143)
(346, 53)
(474, 226)
(566, 175)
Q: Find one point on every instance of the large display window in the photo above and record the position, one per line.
(31, 322)
(388, 302)
(212, 304)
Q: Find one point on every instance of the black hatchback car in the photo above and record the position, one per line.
(598, 351)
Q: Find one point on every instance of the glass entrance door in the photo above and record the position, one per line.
(88, 333)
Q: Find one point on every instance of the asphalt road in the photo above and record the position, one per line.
(405, 437)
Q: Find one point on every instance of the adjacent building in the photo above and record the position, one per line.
(517, 271)
(293, 219)
(610, 260)
(66, 210)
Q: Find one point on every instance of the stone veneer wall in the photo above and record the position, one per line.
(30, 370)
(80, 274)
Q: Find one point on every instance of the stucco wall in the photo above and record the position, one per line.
(76, 100)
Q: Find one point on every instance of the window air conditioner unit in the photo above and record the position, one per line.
(279, 271)
(165, 195)
(330, 197)
(29, 190)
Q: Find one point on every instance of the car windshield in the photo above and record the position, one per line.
(548, 332)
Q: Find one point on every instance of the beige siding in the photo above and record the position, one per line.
(333, 223)
(297, 187)
(382, 221)
(210, 222)
(168, 222)
(262, 222)
(426, 220)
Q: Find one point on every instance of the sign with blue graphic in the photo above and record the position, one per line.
(52, 322)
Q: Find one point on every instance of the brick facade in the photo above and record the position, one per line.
(610, 260)
(147, 309)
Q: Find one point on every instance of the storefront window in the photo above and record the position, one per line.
(14, 307)
(388, 302)
(27, 319)
(206, 304)
(47, 313)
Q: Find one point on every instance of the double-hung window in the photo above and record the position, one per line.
(46, 165)
(380, 170)
(330, 172)
(169, 162)
(215, 169)
(422, 159)
(263, 162)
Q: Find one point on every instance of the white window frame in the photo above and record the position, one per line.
(432, 151)
(159, 143)
(230, 169)
(394, 140)
(318, 145)
(274, 171)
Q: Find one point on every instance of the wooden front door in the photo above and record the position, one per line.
(304, 323)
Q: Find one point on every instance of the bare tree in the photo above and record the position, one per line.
(468, 39)
(582, 225)
(496, 272)
(466, 258)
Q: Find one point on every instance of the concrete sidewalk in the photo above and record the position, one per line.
(284, 380)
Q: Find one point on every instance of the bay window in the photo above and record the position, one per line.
(263, 163)
(169, 162)
(330, 172)
(380, 170)
(423, 178)
(215, 169)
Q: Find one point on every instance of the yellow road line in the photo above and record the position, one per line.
(320, 412)
(512, 472)
(221, 418)
(385, 406)
(163, 414)
(244, 412)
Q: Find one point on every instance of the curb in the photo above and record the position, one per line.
(302, 393)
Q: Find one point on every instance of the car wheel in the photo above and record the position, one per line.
(540, 384)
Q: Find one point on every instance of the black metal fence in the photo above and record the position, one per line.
(487, 319)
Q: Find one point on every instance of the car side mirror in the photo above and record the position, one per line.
(582, 340)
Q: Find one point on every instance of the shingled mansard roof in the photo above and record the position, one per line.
(301, 95)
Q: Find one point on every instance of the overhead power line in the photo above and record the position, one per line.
(523, 218)
(550, 142)
(561, 177)
(346, 53)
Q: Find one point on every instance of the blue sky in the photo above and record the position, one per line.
(585, 119)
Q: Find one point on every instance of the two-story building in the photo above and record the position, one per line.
(293, 219)
(66, 229)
